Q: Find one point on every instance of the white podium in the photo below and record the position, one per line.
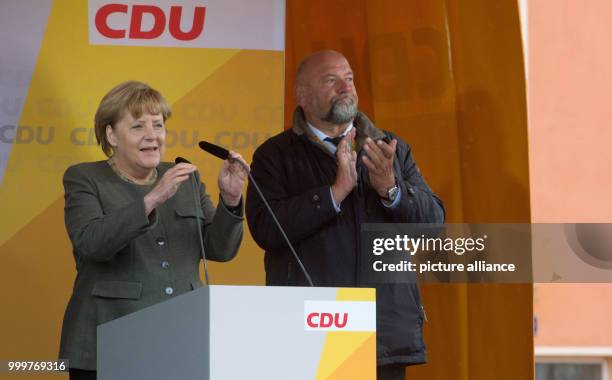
(245, 332)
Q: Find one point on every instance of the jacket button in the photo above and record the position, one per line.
(411, 191)
(165, 264)
(169, 290)
(315, 197)
(160, 241)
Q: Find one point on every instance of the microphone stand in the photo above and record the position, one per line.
(263, 198)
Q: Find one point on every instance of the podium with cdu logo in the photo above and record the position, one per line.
(234, 332)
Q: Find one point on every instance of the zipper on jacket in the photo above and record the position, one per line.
(418, 305)
(359, 196)
(424, 313)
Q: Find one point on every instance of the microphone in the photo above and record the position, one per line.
(224, 154)
(181, 160)
(198, 210)
(215, 150)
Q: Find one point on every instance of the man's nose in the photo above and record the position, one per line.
(343, 87)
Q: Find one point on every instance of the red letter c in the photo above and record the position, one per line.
(102, 17)
(309, 320)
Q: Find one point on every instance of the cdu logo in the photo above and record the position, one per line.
(339, 316)
(153, 23)
(217, 24)
(130, 22)
(326, 320)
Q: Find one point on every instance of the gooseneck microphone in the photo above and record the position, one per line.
(198, 210)
(224, 154)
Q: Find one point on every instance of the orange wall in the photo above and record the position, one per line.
(573, 314)
(447, 76)
(569, 110)
(569, 116)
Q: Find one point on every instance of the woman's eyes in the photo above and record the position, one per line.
(140, 126)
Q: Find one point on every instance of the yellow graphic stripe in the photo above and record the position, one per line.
(356, 294)
(349, 354)
(238, 109)
(360, 365)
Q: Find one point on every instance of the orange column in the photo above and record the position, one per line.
(447, 77)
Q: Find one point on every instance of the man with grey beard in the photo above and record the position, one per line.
(332, 171)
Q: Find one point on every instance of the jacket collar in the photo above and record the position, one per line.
(364, 127)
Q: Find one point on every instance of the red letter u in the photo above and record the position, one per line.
(337, 320)
(196, 27)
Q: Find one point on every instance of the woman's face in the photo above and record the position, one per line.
(138, 144)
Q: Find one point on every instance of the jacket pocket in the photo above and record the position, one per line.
(189, 212)
(117, 289)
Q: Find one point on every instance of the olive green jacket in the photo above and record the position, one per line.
(125, 260)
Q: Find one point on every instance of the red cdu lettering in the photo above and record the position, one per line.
(102, 20)
(310, 320)
(327, 320)
(159, 22)
(137, 15)
(196, 26)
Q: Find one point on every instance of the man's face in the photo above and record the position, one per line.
(328, 92)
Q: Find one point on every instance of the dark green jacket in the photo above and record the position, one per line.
(127, 261)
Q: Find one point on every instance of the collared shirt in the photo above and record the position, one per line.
(322, 136)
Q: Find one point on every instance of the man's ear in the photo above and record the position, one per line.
(301, 93)
(110, 136)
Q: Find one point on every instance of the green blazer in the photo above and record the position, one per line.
(125, 260)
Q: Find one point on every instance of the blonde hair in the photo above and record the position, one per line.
(133, 97)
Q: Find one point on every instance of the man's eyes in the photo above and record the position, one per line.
(333, 80)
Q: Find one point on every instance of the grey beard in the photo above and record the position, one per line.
(341, 112)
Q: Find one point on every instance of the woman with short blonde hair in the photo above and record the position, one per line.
(133, 224)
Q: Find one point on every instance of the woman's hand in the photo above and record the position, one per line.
(231, 179)
(167, 186)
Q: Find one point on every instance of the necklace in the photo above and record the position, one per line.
(149, 181)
